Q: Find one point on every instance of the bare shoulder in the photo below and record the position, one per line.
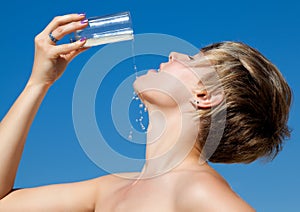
(208, 191)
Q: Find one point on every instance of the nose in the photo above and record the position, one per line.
(177, 56)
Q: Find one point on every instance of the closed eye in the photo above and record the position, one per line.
(190, 57)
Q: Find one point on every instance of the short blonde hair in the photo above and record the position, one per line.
(257, 100)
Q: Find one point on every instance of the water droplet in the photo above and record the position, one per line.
(143, 127)
(130, 134)
(135, 67)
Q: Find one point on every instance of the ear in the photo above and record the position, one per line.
(206, 100)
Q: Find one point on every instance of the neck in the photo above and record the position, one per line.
(171, 139)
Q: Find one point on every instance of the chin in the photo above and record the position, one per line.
(152, 95)
(157, 88)
(144, 82)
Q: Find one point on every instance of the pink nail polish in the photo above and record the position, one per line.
(81, 14)
(84, 21)
(82, 39)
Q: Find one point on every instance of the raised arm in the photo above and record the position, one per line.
(50, 62)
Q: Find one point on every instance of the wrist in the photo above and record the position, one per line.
(32, 82)
(37, 85)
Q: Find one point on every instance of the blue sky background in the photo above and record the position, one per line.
(53, 154)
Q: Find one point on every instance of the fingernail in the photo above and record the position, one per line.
(82, 39)
(81, 14)
(84, 21)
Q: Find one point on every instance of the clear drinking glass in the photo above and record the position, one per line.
(106, 29)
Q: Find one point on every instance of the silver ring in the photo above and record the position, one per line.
(52, 38)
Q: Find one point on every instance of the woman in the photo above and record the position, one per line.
(226, 104)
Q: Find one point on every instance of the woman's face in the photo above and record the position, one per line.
(170, 83)
(178, 66)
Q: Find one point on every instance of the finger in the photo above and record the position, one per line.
(68, 48)
(62, 20)
(75, 53)
(63, 30)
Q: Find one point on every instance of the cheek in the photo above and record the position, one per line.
(183, 73)
(188, 79)
(163, 89)
(192, 82)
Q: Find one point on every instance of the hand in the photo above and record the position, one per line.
(50, 60)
